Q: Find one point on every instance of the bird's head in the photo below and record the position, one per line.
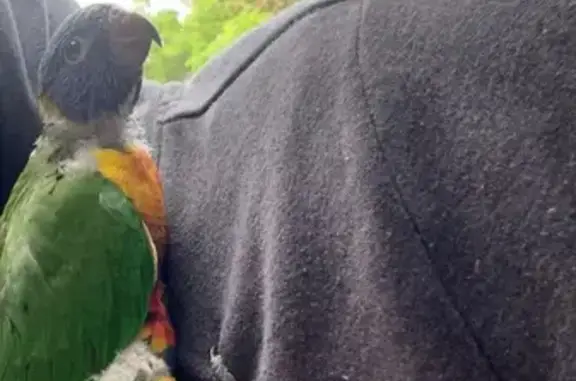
(92, 67)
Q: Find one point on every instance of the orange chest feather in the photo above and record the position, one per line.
(135, 172)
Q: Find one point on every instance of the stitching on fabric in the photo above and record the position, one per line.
(404, 204)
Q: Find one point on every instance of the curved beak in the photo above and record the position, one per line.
(131, 36)
(143, 27)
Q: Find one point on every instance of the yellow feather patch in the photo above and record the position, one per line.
(135, 172)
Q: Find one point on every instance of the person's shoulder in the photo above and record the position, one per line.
(211, 81)
(409, 36)
(160, 104)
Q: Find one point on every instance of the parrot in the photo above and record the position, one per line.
(84, 228)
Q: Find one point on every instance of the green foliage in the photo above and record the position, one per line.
(203, 31)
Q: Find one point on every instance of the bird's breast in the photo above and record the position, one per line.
(134, 171)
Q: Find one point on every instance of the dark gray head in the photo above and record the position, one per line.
(92, 67)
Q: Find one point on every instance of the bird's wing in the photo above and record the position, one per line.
(76, 273)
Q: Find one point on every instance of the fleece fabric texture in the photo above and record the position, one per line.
(25, 26)
(377, 190)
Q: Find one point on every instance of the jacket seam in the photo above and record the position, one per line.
(404, 203)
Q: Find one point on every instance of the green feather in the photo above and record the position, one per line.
(76, 272)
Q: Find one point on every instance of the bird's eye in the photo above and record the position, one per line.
(75, 50)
